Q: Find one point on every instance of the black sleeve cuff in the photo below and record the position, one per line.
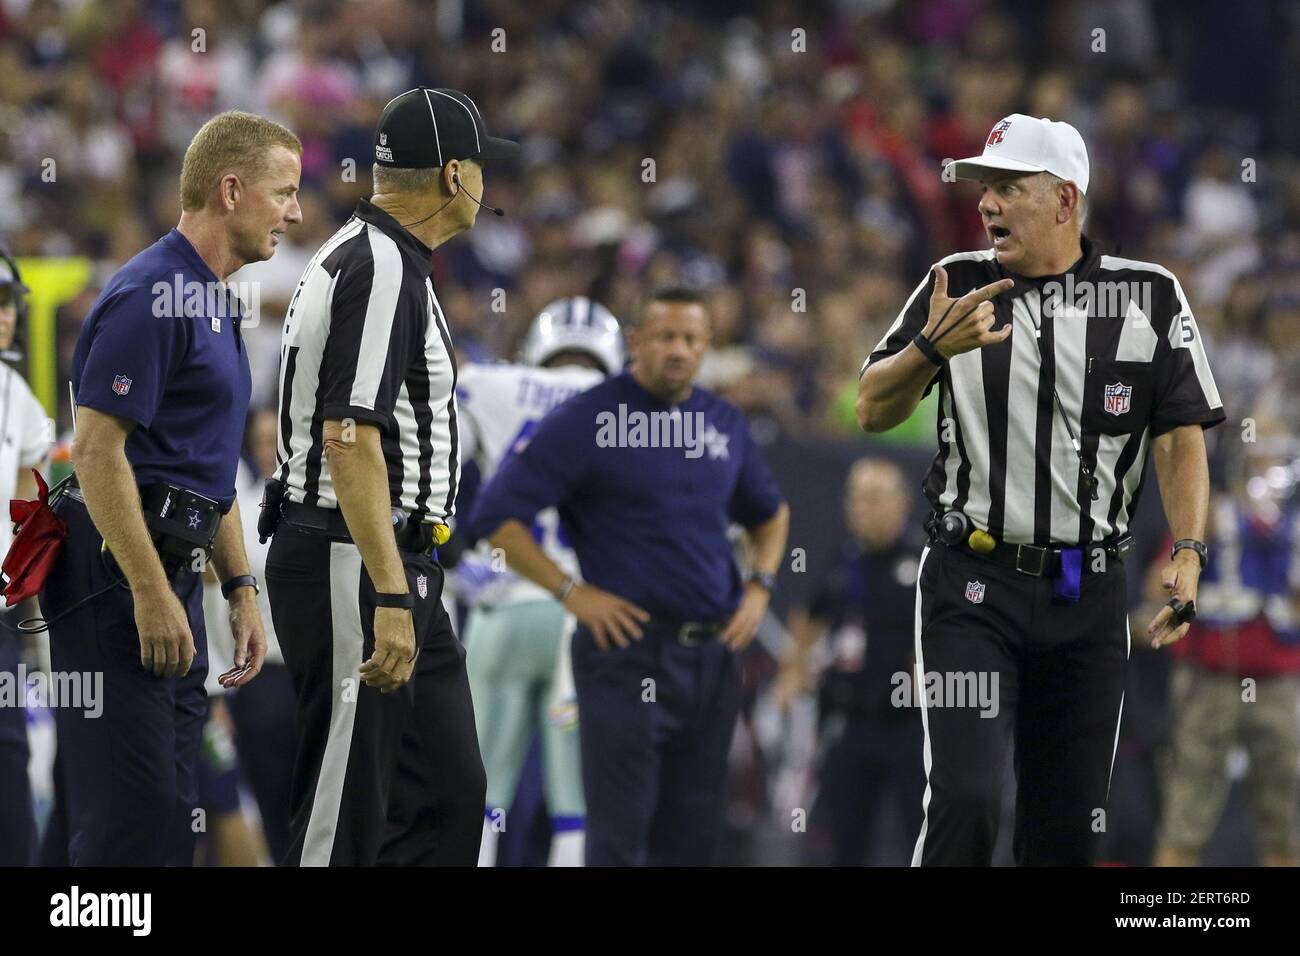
(1206, 419)
(356, 412)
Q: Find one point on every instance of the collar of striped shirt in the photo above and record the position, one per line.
(1084, 269)
(419, 252)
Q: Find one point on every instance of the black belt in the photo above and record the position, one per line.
(686, 633)
(1035, 560)
(416, 536)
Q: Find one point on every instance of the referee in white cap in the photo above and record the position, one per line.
(388, 767)
(1058, 368)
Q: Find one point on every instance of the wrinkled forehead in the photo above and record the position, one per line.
(998, 177)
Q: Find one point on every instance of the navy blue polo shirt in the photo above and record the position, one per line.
(647, 523)
(162, 348)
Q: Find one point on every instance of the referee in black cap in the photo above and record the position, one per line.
(388, 767)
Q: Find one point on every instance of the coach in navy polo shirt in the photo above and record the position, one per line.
(162, 385)
(647, 472)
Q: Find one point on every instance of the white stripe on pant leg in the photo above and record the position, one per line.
(1128, 652)
(563, 693)
(918, 681)
(345, 615)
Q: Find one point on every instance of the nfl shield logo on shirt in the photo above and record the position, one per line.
(975, 592)
(422, 585)
(1118, 398)
(121, 384)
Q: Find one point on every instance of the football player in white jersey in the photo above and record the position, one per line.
(517, 634)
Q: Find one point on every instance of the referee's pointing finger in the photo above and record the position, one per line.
(984, 293)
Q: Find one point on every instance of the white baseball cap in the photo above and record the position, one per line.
(1024, 144)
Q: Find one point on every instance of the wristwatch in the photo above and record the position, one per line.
(237, 582)
(764, 579)
(1191, 544)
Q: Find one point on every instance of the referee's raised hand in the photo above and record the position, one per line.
(962, 325)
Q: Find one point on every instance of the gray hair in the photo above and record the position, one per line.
(396, 179)
(1049, 180)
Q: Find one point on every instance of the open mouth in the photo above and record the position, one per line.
(1000, 235)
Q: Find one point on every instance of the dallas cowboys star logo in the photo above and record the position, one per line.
(716, 443)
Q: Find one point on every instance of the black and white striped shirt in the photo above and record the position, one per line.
(365, 339)
(1118, 340)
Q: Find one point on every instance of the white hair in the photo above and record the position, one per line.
(395, 179)
(1050, 180)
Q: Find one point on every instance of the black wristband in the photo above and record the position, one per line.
(239, 581)
(928, 350)
(404, 601)
(1191, 544)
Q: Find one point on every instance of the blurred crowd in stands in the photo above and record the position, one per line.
(796, 151)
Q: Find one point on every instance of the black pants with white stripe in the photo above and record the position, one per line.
(1005, 661)
(389, 779)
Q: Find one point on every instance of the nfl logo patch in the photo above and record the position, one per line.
(422, 585)
(121, 384)
(1118, 398)
(975, 592)
(995, 136)
(383, 139)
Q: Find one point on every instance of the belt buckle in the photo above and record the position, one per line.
(1032, 571)
(686, 634)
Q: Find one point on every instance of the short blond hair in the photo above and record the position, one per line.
(231, 142)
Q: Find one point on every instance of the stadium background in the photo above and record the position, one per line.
(796, 151)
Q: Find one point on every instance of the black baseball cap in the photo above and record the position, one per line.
(426, 128)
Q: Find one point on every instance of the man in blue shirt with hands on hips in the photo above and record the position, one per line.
(647, 472)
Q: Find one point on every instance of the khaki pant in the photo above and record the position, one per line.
(1210, 717)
